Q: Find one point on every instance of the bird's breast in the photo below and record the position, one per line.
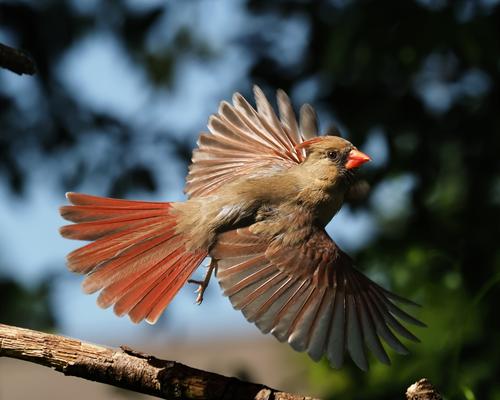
(324, 207)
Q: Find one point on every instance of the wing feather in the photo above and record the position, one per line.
(286, 315)
(244, 141)
(304, 322)
(368, 325)
(355, 345)
(252, 120)
(382, 326)
(320, 328)
(264, 316)
(308, 122)
(392, 321)
(250, 305)
(370, 332)
(309, 295)
(336, 341)
(288, 119)
(270, 120)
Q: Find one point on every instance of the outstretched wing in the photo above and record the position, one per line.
(310, 296)
(243, 140)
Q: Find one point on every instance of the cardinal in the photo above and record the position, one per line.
(261, 189)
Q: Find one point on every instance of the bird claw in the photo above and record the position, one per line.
(202, 285)
(200, 290)
(199, 298)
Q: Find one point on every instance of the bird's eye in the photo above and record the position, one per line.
(333, 155)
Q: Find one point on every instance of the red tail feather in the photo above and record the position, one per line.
(137, 260)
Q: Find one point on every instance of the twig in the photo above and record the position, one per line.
(16, 60)
(422, 390)
(129, 369)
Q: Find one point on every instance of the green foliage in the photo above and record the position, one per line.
(27, 307)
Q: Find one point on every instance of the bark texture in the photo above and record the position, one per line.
(422, 390)
(129, 369)
(143, 373)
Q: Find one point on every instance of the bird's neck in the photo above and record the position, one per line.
(320, 194)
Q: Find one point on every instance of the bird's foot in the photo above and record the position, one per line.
(202, 285)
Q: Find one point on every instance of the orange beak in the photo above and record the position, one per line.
(356, 158)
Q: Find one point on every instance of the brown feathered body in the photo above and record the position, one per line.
(261, 191)
(305, 196)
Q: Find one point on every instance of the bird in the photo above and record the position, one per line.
(260, 190)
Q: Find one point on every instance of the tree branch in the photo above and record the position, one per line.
(422, 390)
(143, 373)
(16, 60)
(129, 369)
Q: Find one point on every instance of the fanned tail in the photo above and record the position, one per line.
(137, 259)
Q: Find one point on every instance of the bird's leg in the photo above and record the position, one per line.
(202, 285)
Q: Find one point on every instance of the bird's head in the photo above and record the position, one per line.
(332, 156)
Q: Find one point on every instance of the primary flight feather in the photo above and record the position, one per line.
(261, 190)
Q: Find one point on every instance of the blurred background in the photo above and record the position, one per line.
(122, 89)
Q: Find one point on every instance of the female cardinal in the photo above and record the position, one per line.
(261, 191)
